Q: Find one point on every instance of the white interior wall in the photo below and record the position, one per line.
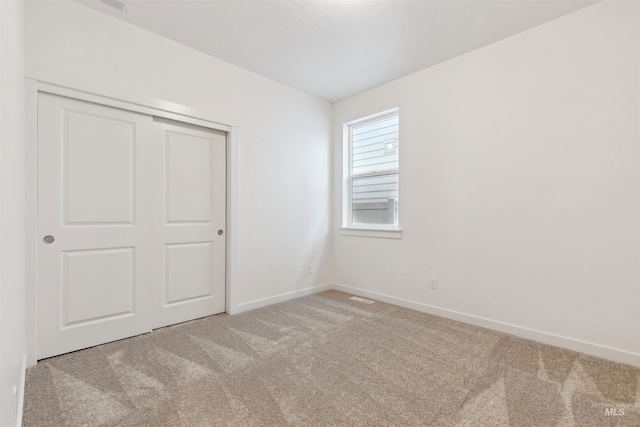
(12, 341)
(519, 185)
(519, 168)
(284, 180)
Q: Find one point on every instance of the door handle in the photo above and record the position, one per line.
(220, 232)
(49, 239)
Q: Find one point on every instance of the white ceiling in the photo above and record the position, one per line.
(336, 48)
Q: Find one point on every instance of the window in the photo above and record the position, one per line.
(372, 172)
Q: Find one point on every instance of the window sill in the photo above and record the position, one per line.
(380, 233)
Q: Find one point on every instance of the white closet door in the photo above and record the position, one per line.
(189, 233)
(95, 236)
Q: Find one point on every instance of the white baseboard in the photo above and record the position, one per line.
(519, 331)
(21, 387)
(251, 305)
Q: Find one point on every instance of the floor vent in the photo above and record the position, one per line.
(118, 4)
(364, 300)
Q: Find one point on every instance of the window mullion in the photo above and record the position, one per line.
(376, 173)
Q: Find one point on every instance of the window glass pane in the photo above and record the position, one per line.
(375, 199)
(374, 146)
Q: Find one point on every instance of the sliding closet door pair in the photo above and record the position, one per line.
(129, 210)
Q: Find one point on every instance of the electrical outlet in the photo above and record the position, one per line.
(309, 269)
(433, 283)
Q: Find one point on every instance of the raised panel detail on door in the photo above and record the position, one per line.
(188, 272)
(188, 177)
(94, 273)
(103, 275)
(193, 170)
(98, 169)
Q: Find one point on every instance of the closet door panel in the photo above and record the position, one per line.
(190, 236)
(94, 249)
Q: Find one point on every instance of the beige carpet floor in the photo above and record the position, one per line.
(325, 360)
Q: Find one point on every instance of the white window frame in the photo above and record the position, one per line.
(390, 231)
